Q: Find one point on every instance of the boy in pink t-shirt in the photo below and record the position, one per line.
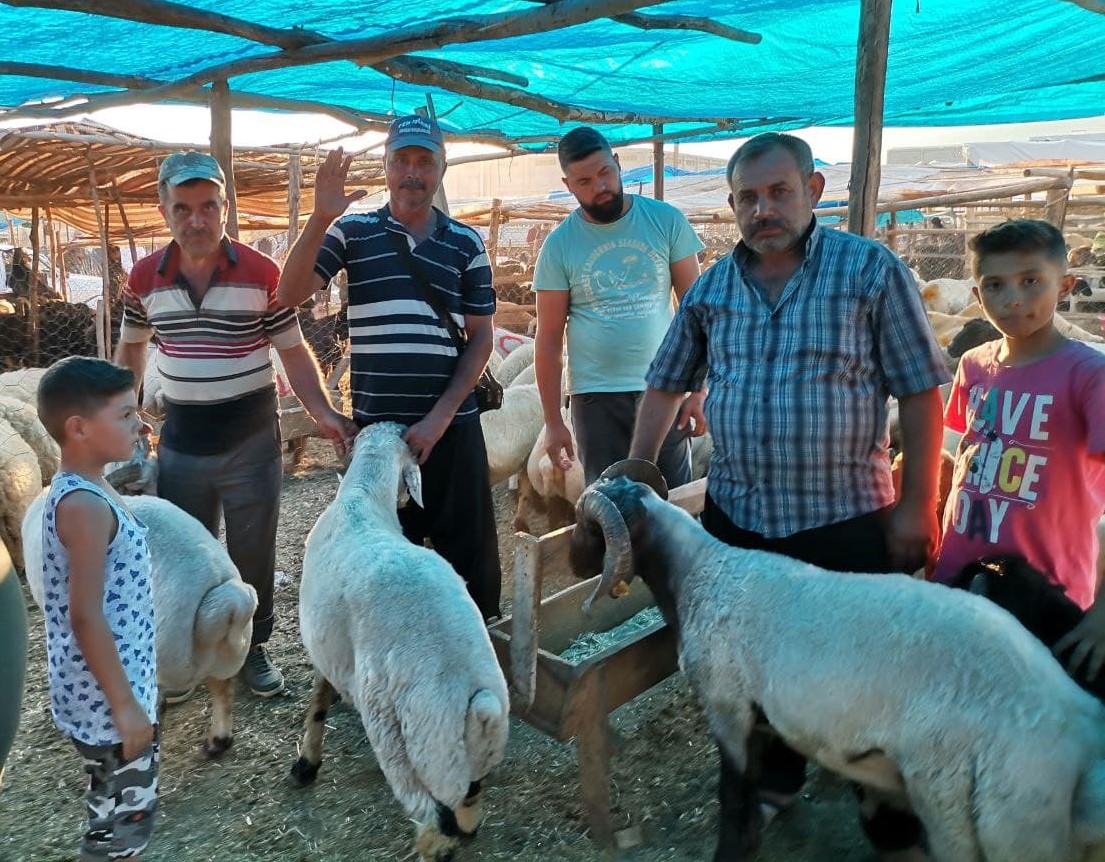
(1030, 471)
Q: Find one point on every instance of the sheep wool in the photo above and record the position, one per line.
(390, 627)
(24, 419)
(20, 483)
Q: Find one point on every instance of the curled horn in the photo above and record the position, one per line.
(618, 558)
(638, 470)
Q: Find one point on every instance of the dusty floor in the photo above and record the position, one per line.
(239, 809)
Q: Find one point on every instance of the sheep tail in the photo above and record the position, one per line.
(485, 726)
(1089, 806)
(225, 616)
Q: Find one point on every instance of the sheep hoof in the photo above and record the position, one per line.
(433, 846)
(217, 746)
(302, 773)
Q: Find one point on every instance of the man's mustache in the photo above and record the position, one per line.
(413, 184)
(768, 223)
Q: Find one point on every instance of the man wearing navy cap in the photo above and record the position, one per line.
(404, 364)
(211, 302)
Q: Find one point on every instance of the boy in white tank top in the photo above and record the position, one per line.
(98, 605)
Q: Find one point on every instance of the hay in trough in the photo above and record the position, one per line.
(588, 644)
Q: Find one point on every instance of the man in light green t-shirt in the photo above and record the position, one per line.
(607, 274)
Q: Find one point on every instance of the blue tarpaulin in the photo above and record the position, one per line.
(952, 62)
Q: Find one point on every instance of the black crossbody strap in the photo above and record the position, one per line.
(429, 292)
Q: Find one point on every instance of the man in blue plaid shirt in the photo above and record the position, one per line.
(801, 335)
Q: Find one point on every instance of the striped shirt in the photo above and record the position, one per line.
(401, 354)
(797, 400)
(215, 350)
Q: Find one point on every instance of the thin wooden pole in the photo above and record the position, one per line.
(493, 231)
(1058, 199)
(103, 342)
(126, 222)
(871, 57)
(658, 162)
(223, 149)
(295, 181)
(32, 287)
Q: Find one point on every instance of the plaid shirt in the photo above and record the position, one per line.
(798, 393)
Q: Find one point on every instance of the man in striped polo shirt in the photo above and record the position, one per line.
(405, 366)
(211, 303)
(808, 332)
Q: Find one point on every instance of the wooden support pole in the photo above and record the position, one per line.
(658, 162)
(295, 183)
(871, 56)
(103, 340)
(223, 149)
(32, 288)
(1058, 198)
(493, 231)
(125, 221)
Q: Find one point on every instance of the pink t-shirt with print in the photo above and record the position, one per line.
(1026, 477)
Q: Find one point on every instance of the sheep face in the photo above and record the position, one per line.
(1013, 584)
(383, 442)
(609, 524)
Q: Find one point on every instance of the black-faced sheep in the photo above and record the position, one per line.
(391, 628)
(1039, 605)
(933, 698)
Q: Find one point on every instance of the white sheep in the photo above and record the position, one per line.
(22, 384)
(526, 376)
(24, 419)
(935, 699)
(544, 487)
(514, 362)
(203, 610)
(20, 482)
(948, 295)
(510, 432)
(390, 627)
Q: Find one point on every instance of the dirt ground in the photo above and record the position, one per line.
(239, 809)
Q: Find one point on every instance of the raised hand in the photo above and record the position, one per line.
(330, 197)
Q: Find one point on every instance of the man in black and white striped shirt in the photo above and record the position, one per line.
(404, 364)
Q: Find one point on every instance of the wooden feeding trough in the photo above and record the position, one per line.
(567, 699)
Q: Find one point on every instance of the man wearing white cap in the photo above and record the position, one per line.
(409, 264)
(211, 301)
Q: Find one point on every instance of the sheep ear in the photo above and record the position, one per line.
(412, 478)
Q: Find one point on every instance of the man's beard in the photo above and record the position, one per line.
(785, 240)
(606, 212)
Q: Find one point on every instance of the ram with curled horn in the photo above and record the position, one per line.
(935, 701)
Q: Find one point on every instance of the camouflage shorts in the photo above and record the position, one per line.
(121, 799)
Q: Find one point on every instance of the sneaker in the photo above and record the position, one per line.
(260, 674)
(177, 695)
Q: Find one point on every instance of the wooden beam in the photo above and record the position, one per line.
(32, 288)
(1058, 197)
(871, 56)
(295, 181)
(401, 40)
(222, 149)
(103, 341)
(658, 161)
(124, 221)
(681, 22)
(1091, 5)
(179, 15)
(996, 193)
(451, 67)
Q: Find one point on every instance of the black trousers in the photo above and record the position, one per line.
(459, 517)
(242, 487)
(855, 545)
